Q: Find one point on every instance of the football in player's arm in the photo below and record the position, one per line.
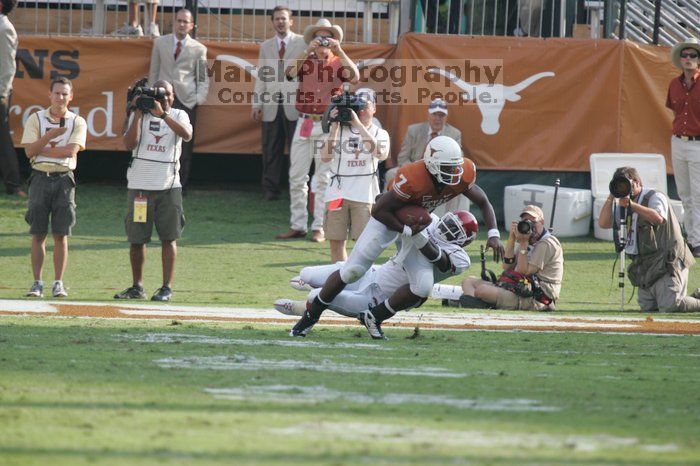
(442, 175)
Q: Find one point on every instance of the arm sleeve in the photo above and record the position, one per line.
(404, 156)
(31, 130)
(8, 65)
(155, 64)
(79, 135)
(260, 84)
(183, 118)
(201, 76)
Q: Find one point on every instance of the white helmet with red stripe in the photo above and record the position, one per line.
(443, 159)
(458, 227)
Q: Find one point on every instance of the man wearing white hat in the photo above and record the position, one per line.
(684, 99)
(418, 136)
(321, 68)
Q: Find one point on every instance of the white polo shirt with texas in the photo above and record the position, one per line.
(155, 162)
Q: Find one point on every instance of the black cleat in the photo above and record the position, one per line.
(304, 326)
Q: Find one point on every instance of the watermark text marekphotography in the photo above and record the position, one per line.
(236, 81)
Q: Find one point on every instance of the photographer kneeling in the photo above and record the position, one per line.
(154, 135)
(653, 241)
(532, 272)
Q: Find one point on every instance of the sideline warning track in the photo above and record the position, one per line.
(494, 320)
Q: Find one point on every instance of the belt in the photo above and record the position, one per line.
(313, 116)
(51, 174)
(688, 138)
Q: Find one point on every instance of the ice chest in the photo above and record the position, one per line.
(573, 212)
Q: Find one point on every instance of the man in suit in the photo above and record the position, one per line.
(182, 61)
(417, 138)
(275, 99)
(9, 166)
(419, 134)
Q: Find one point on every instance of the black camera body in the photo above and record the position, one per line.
(525, 227)
(620, 186)
(148, 96)
(346, 103)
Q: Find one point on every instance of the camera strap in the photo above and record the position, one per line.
(339, 151)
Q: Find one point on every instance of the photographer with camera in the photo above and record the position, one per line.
(155, 134)
(354, 148)
(321, 69)
(653, 241)
(533, 268)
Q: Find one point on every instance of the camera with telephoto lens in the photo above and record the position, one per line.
(346, 103)
(148, 96)
(525, 227)
(620, 186)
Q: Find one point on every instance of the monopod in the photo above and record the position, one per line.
(554, 204)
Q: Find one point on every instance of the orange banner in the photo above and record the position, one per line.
(521, 103)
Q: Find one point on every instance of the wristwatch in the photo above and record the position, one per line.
(164, 115)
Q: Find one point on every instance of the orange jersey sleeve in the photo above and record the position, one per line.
(412, 182)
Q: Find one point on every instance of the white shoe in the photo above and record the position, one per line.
(153, 30)
(58, 290)
(290, 307)
(37, 289)
(298, 284)
(129, 30)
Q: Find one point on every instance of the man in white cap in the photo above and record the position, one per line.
(684, 99)
(321, 68)
(419, 135)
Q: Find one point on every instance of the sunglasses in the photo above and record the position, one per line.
(438, 105)
(689, 55)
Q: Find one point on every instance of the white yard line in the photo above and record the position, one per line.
(491, 320)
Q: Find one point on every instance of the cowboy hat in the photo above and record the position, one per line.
(691, 43)
(322, 25)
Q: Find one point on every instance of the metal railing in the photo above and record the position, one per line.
(224, 20)
(654, 22)
(370, 21)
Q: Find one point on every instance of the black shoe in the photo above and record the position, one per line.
(304, 326)
(133, 292)
(696, 251)
(473, 302)
(164, 293)
(374, 328)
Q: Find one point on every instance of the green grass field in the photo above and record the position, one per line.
(91, 391)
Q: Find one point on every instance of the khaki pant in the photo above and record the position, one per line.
(302, 153)
(668, 294)
(352, 217)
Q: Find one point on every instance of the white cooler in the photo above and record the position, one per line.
(572, 216)
(652, 170)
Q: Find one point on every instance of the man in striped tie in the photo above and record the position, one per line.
(182, 61)
(274, 100)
